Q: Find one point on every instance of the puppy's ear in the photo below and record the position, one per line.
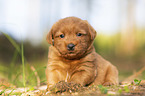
(92, 31)
(49, 37)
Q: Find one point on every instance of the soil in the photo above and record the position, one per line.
(63, 86)
(71, 89)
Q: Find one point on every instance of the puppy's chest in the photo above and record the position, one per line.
(70, 70)
(71, 66)
(66, 69)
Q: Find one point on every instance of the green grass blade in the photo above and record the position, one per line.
(12, 66)
(12, 42)
(22, 52)
(29, 77)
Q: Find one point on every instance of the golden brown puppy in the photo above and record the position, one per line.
(72, 56)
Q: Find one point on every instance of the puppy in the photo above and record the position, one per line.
(72, 56)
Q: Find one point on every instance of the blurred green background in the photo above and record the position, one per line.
(120, 26)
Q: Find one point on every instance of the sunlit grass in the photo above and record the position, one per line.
(20, 75)
(21, 52)
(22, 55)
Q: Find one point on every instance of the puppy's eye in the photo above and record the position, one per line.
(79, 34)
(61, 36)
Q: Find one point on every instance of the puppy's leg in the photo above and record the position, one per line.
(111, 77)
(84, 76)
(53, 77)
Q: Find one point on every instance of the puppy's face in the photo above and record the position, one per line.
(71, 37)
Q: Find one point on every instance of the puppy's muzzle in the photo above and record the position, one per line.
(71, 47)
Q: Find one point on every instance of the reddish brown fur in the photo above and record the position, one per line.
(82, 65)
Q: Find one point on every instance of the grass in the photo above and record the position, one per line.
(12, 65)
(21, 75)
(103, 89)
(22, 52)
(12, 42)
(136, 81)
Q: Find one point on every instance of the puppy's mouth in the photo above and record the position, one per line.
(72, 55)
(71, 52)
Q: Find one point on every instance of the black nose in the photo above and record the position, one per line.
(70, 47)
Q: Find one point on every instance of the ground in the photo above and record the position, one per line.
(135, 88)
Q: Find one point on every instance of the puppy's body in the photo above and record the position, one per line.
(80, 63)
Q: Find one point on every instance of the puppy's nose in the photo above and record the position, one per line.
(70, 47)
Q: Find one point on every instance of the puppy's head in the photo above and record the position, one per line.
(72, 37)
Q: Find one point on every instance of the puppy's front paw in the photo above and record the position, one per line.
(108, 83)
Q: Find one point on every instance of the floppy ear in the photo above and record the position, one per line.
(49, 37)
(92, 31)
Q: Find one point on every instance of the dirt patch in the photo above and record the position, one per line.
(63, 86)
